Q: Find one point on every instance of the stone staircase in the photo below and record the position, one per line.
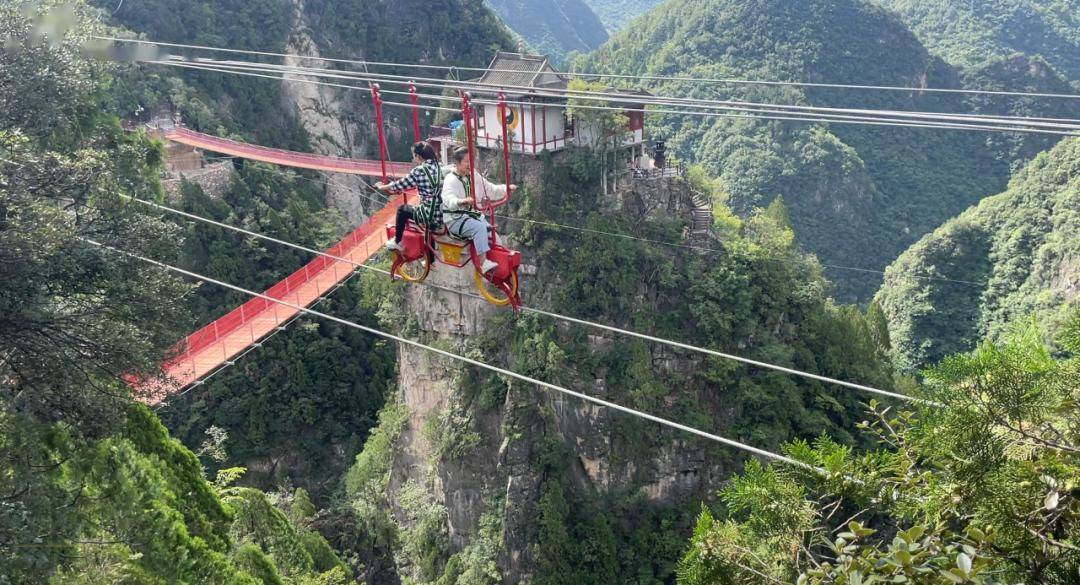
(701, 215)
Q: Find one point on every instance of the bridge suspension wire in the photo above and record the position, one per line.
(714, 114)
(370, 195)
(382, 198)
(615, 95)
(707, 108)
(711, 114)
(557, 316)
(655, 78)
(819, 118)
(473, 362)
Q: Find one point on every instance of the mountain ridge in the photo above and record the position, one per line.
(1016, 254)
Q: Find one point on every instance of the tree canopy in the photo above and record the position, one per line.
(979, 487)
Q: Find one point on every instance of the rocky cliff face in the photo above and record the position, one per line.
(477, 460)
(337, 123)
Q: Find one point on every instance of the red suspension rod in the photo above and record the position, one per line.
(506, 158)
(379, 128)
(505, 141)
(467, 115)
(415, 112)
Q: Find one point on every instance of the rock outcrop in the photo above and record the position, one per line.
(469, 459)
(336, 123)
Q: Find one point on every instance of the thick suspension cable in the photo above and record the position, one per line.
(476, 363)
(553, 315)
(373, 195)
(616, 96)
(708, 108)
(704, 80)
(711, 114)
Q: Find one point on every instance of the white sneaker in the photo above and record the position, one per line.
(393, 246)
(488, 266)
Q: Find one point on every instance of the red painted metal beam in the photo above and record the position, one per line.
(211, 347)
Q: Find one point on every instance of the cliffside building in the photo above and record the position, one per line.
(536, 119)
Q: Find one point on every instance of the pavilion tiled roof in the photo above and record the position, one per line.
(522, 70)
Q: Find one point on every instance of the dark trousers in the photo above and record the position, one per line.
(404, 214)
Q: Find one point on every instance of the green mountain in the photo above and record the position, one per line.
(1020, 73)
(1017, 254)
(858, 195)
(971, 33)
(553, 27)
(617, 14)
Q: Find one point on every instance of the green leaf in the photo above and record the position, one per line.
(904, 557)
(953, 577)
(964, 562)
(914, 533)
(976, 534)
(859, 530)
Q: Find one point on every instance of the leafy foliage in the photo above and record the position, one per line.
(308, 403)
(315, 386)
(291, 549)
(978, 488)
(74, 316)
(617, 14)
(457, 32)
(587, 537)
(94, 490)
(762, 298)
(970, 33)
(235, 104)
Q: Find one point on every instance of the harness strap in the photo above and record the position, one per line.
(434, 178)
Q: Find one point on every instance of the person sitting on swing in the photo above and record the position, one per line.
(459, 205)
(427, 178)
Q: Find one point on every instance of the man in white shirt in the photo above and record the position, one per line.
(459, 205)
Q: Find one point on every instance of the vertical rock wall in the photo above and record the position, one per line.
(337, 124)
(499, 466)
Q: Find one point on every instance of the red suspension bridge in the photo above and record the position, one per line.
(318, 162)
(213, 346)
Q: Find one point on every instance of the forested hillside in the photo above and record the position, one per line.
(616, 14)
(345, 28)
(94, 489)
(233, 104)
(970, 34)
(1017, 254)
(328, 456)
(858, 195)
(553, 27)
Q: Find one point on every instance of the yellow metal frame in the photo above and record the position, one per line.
(485, 287)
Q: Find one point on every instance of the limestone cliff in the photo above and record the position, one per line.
(337, 123)
(482, 479)
(474, 456)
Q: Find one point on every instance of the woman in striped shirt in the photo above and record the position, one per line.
(427, 178)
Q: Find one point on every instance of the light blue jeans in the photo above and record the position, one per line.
(470, 228)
